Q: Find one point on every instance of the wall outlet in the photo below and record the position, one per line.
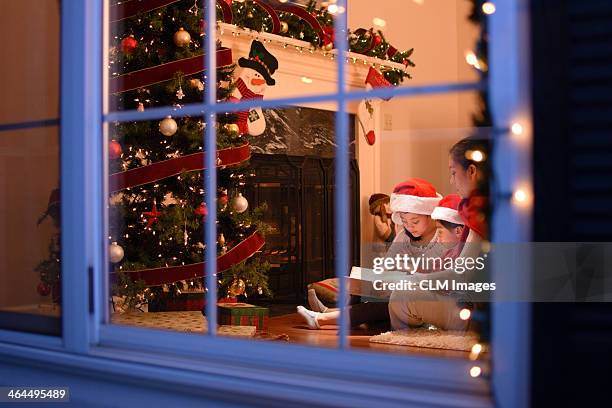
(387, 121)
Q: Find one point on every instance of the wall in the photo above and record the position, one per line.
(29, 159)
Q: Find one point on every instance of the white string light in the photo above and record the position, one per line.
(465, 314)
(475, 371)
(520, 196)
(488, 8)
(516, 129)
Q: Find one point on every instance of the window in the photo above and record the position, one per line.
(90, 259)
(30, 284)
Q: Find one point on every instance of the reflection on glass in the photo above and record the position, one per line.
(30, 284)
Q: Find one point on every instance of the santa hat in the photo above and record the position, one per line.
(413, 196)
(447, 210)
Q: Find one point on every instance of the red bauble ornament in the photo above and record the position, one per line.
(114, 150)
(128, 44)
(203, 26)
(377, 40)
(43, 289)
(202, 210)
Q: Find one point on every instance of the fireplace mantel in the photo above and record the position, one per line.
(302, 72)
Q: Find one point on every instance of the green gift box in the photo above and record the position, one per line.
(243, 314)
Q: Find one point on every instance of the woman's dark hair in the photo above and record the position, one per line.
(449, 225)
(461, 153)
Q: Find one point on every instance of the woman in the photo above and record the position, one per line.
(470, 178)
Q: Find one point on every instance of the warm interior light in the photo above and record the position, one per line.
(465, 314)
(488, 8)
(306, 80)
(517, 129)
(475, 371)
(333, 9)
(379, 22)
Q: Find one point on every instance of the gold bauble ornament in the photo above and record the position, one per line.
(182, 38)
(328, 47)
(237, 288)
(168, 126)
(284, 27)
(232, 127)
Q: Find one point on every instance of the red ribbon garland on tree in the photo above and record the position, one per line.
(226, 10)
(128, 9)
(165, 72)
(158, 276)
(173, 167)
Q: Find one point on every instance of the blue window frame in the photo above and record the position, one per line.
(89, 340)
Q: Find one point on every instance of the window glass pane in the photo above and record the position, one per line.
(275, 197)
(406, 239)
(29, 174)
(432, 39)
(152, 46)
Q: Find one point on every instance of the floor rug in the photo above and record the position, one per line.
(423, 337)
(191, 322)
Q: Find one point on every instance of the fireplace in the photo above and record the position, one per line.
(299, 192)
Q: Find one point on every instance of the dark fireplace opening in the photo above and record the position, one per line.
(299, 193)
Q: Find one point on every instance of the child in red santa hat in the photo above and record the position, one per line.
(450, 225)
(412, 203)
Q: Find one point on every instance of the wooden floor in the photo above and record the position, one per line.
(298, 332)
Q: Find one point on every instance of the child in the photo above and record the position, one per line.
(449, 223)
(416, 308)
(412, 203)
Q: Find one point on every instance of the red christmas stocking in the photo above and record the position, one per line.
(366, 114)
(368, 110)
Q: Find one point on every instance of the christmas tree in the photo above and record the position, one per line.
(156, 228)
(156, 210)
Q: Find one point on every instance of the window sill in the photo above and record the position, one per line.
(240, 381)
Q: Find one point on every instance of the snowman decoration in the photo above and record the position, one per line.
(255, 77)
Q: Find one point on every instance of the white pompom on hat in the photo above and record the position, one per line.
(413, 196)
(448, 210)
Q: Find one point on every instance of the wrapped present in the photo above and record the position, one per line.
(243, 314)
(185, 301)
